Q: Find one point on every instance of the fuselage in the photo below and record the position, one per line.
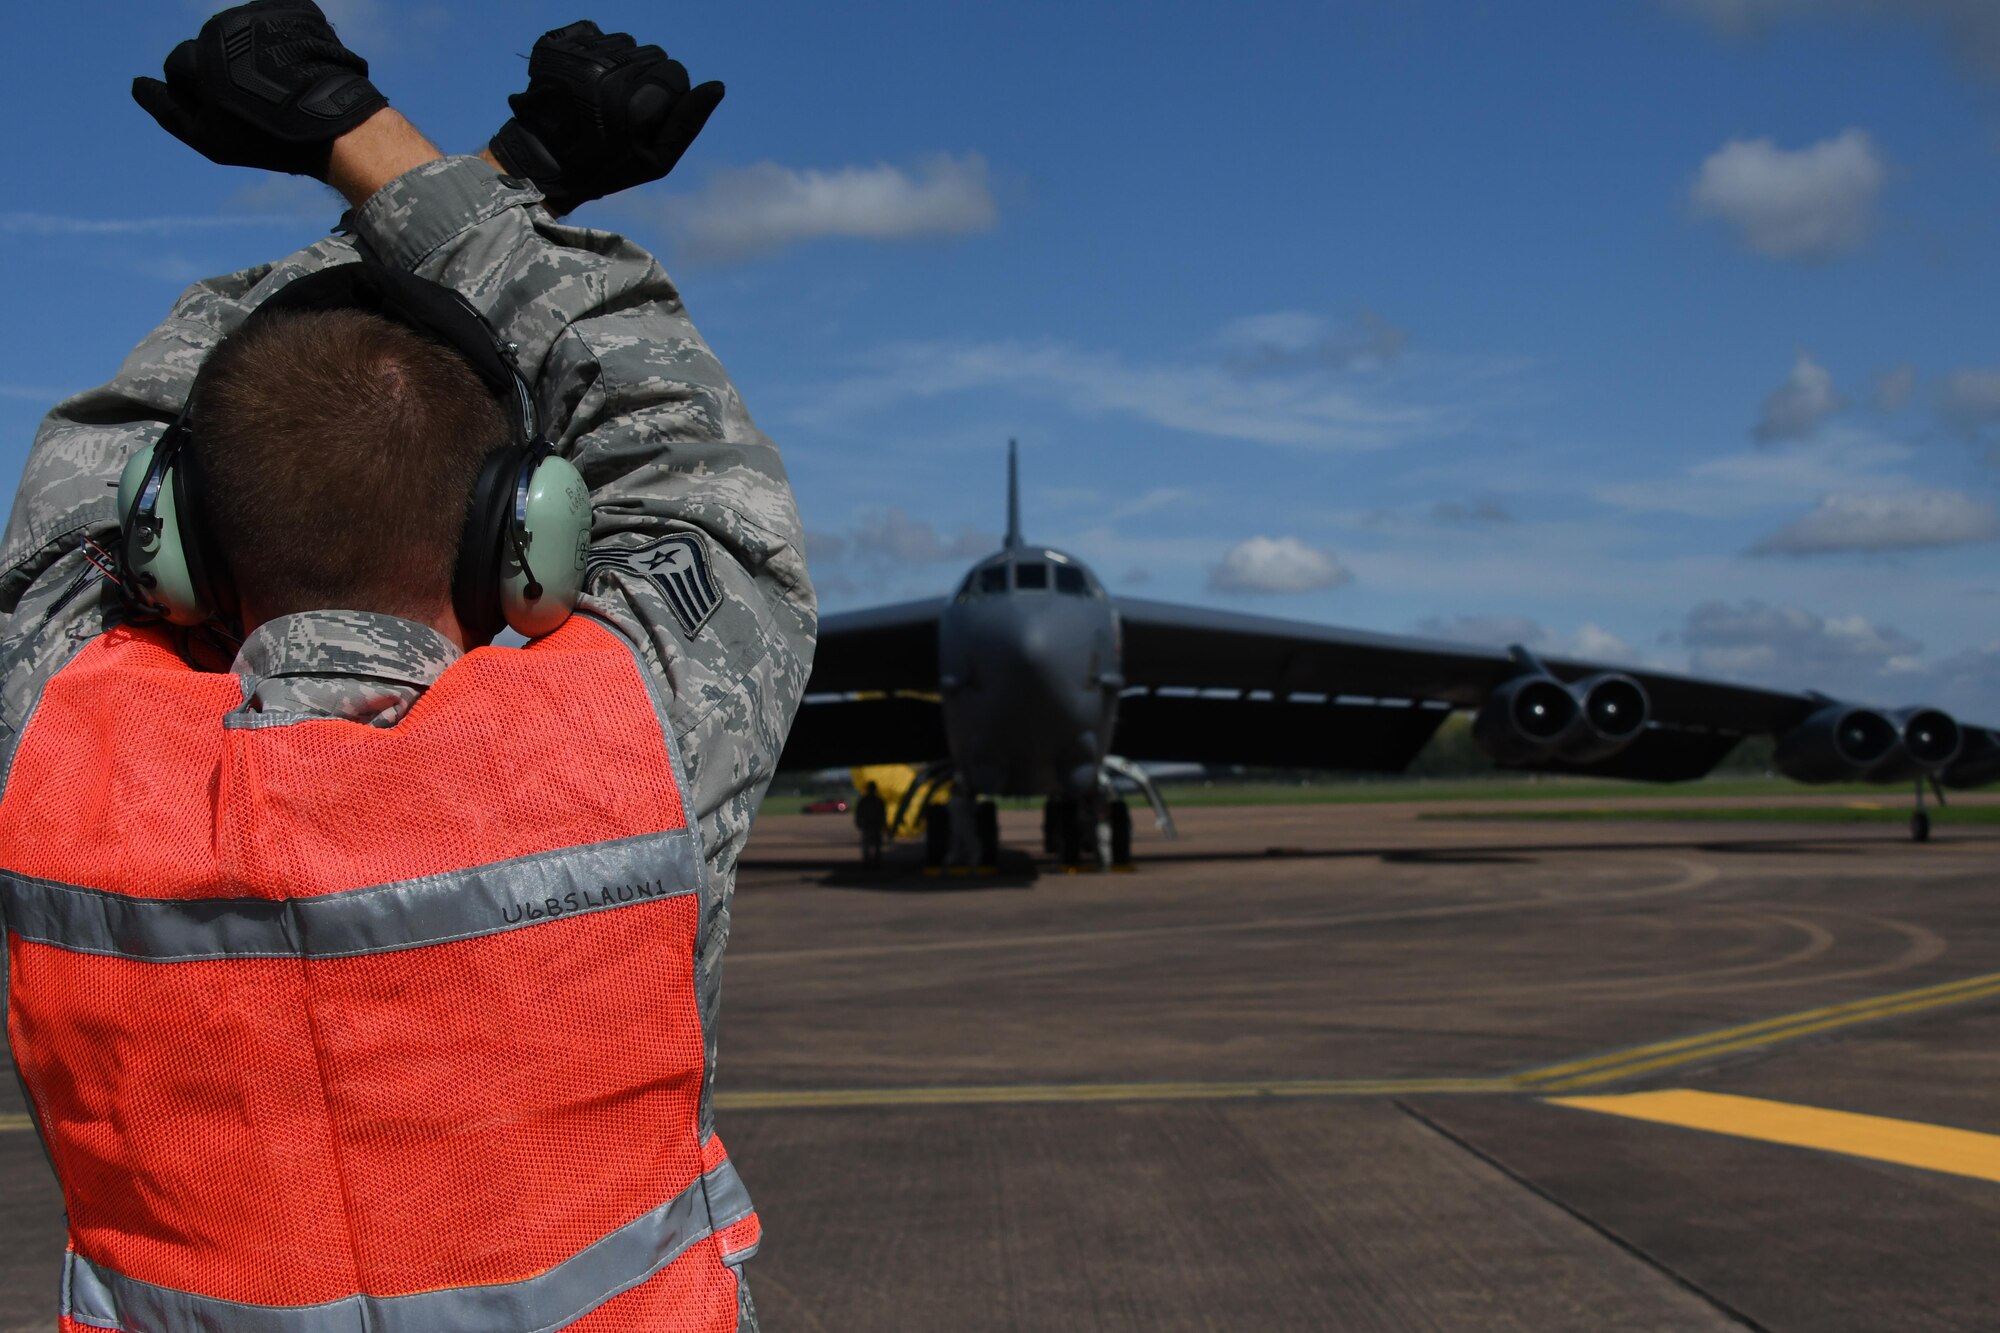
(1028, 667)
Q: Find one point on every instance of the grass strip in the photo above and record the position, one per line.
(1737, 814)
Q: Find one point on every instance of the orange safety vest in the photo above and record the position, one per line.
(332, 1028)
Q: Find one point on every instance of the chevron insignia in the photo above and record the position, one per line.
(678, 565)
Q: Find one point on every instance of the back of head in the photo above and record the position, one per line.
(338, 453)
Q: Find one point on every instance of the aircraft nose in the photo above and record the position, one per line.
(1049, 662)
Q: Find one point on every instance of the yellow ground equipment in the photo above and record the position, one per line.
(892, 781)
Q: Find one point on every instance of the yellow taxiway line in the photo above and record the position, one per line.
(1958, 1152)
(8, 1122)
(1633, 1061)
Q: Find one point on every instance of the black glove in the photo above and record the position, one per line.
(601, 114)
(266, 85)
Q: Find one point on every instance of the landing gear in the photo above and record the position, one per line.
(1118, 816)
(1094, 832)
(1163, 818)
(989, 836)
(1069, 831)
(1920, 818)
(937, 836)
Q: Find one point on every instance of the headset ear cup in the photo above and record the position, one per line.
(152, 552)
(554, 535)
(208, 571)
(476, 581)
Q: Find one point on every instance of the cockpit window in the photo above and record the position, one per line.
(1032, 574)
(1070, 581)
(993, 578)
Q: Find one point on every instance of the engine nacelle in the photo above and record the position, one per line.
(1526, 719)
(1978, 761)
(1837, 744)
(1928, 740)
(1612, 711)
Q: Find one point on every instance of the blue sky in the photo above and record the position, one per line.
(1659, 329)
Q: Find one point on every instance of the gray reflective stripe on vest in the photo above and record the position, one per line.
(505, 895)
(101, 1298)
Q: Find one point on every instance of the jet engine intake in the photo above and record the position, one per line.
(1525, 719)
(1837, 744)
(1928, 740)
(1612, 711)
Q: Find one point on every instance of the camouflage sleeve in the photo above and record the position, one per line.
(697, 549)
(53, 594)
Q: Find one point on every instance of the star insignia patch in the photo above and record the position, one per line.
(678, 565)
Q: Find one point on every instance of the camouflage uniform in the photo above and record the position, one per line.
(626, 389)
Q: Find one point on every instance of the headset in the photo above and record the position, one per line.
(526, 543)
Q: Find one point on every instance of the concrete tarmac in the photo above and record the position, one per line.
(1296, 1072)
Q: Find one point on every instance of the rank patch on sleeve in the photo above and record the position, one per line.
(678, 564)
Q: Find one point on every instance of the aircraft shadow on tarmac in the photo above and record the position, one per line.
(1020, 870)
(897, 874)
(1511, 853)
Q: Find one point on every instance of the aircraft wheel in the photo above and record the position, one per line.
(937, 835)
(1119, 815)
(1920, 826)
(989, 833)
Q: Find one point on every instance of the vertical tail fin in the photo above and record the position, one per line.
(1013, 498)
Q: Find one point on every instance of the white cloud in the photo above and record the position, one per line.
(1293, 339)
(1275, 565)
(1894, 388)
(1969, 683)
(1971, 400)
(886, 551)
(1482, 509)
(763, 208)
(1767, 478)
(892, 536)
(1897, 521)
(1795, 408)
(1314, 408)
(1810, 203)
(1152, 501)
(60, 224)
(1590, 641)
(295, 195)
(1849, 657)
(1970, 28)
(1792, 648)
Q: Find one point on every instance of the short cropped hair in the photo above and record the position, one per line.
(338, 453)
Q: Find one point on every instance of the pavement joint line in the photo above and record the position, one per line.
(1852, 1011)
(1940, 1148)
(828, 1098)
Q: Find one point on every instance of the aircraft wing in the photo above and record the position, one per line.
(881, 648)
(872, 698)
(1224, 687)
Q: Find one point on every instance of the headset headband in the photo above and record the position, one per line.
(417, 304)
(522, 555)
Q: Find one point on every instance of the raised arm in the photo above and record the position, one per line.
(697, 548)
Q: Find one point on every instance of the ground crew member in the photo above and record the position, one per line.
(871, 816)
(364, 976)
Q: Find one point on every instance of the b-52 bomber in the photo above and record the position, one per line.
(1032, 680)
